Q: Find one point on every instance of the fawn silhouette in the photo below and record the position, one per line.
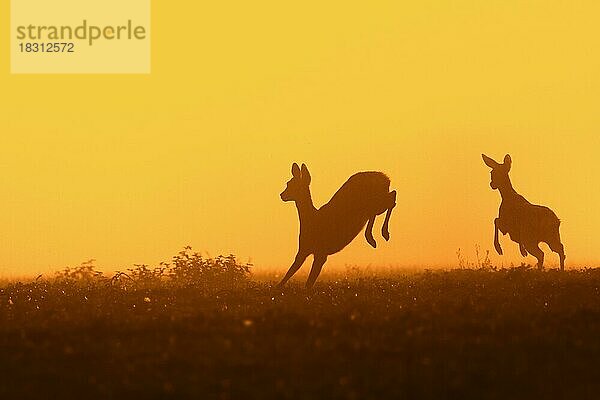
(332, 227)
(527, 224)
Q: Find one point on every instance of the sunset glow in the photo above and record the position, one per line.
(130, 168)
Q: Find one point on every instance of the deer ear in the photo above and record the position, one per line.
(305, 173)
(507, 162)
(295, 170)
(489, 162)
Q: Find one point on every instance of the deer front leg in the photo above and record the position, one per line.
(316, 269)
(298, 261)
(385, 232)
(369, 232)
(496, 241)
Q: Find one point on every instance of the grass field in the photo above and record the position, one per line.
(464, 333)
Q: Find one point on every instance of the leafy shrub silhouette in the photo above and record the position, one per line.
(145, 276)
(83, 274)
(187, 268)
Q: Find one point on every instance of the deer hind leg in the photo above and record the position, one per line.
(534, 250)
(557, 247)
(316, 269)
(298, 261)
(392, 203)
(369, 232)
(523, 249)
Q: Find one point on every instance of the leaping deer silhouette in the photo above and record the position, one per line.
(332, 227)
(527, 224)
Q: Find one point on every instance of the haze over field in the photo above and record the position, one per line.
(129, 168)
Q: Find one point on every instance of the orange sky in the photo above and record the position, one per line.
(129, 168)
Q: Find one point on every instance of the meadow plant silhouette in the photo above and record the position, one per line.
(186, 269)
(527, 224)
(332, 227)
(192, 269)
(508, 333)
(82, 274)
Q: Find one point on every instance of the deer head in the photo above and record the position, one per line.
(297, 188)
(499, 172)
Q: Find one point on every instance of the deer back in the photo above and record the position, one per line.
(360, 194)
(342, 218)
(525, 221)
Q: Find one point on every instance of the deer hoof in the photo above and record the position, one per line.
(524, 252)
(372, 242)
(386, 235)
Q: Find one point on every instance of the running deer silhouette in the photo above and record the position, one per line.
(527, 224)
(332, 227)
